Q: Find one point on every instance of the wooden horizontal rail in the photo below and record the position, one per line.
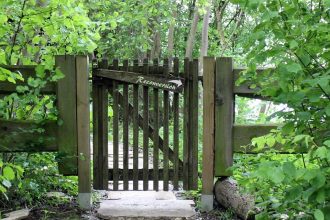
(140, 174)
(28, 136)
(245, 90)
(243, 134)
(174, 84)
(26, 72)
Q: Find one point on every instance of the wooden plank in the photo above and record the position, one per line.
(168, 83)
(208, 132)
(103, 117)
(125, 130)
(145, 129)
(66, 106)
(245, 90)
(243, 134)
(224, 116)
(186, 141)
(135, 130)
(25, 136)
(166, 130)
(193, 117)
(155, 134)
(140, 174)
(115, 129)
(83, 133)
(95, 98)
(176, 129)
(26, 72)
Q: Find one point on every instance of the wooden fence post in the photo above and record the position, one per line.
(83, 133)
(73, 135)
(224, 115)
(67, 114)
(208, 133)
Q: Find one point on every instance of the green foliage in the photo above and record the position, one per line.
(32, 32)
(291, 38)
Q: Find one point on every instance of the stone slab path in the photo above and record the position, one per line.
(145, 205)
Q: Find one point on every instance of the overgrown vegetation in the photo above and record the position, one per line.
(290, 37)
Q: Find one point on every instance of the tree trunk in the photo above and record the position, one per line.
(205, 39)
(156, 47)
(219, 11)
(170, 45)
(192, 35)
(227, 194)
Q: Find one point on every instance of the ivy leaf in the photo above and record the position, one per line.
(40, 70)
(290, 169)
(294, 193)
(320, 197)
(319, 180)
(293, 67)
(8, 173)
(322, 153)
(3, 18)
(327, 110)
(293, 44)
(318, 214)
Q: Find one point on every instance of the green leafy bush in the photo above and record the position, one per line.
(291, 37)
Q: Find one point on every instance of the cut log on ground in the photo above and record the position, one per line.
(17, 215)
(227, 194)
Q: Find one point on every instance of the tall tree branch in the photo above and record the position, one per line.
(16, 32)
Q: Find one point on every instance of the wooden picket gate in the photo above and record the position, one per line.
(145, 100)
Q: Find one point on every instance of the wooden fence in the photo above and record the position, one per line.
(221, 136)
(71, 137)
(135, 100)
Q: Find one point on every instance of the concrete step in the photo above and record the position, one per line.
(145, 205)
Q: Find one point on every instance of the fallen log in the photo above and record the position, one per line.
(227, 194)
(17, 215)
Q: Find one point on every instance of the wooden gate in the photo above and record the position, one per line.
(154, 138)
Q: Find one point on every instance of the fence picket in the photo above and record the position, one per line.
(176, 129)
(186, 126)
(115, 127)
(166, 129)
(155, 133)
(125, 129)
(135, 130)
(145, 129)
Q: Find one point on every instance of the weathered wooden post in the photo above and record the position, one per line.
(73, 135)
(208, 133)
(224, 115)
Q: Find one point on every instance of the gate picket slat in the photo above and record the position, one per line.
(166, 129)
(155, 134)
(115, 126)
(125, 130)
(145, 129)
(135, 130)
(186, 126)
(176, 129)
(193, 102)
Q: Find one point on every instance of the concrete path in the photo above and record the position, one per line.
(145, 205)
